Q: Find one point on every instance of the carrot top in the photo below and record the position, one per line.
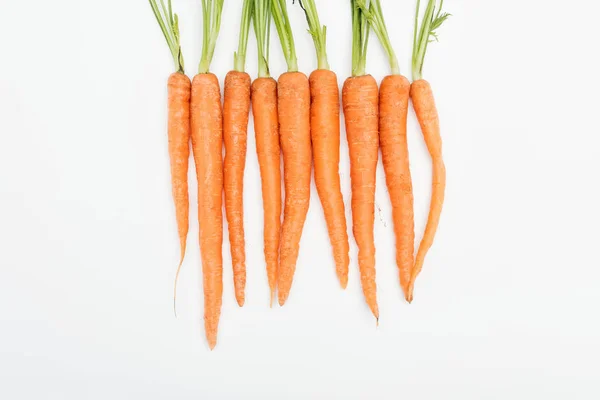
(423, 35)
(374, 15)
(211, 18)
(318, 32)
(360, 39)
(284, 30)
(239, 57)
(169, 24)
(262, 30)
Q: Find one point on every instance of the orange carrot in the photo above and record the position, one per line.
(424, 104)
(207, 143)
(236, 109)
(266, 128)
(393, 108)
(294, 124)
(361, 110)
(325, 135)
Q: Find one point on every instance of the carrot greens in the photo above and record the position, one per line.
(426, 33)
(240, 56)
(360, 39)
(169, 25)
(284, 30)
(262, 30)
(211, 17)
(318, 32)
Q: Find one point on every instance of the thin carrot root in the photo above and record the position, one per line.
(361, 110)
(424, 104)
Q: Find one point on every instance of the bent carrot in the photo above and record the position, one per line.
(361, 111)
(293, 104)
(325, 135)
(207, 143)
(426, 111)
(393, 109)
(236, 109)
(266, 129)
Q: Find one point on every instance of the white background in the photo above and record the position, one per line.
(506, 307)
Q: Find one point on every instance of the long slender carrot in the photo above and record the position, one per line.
(266, 129)
(293, 104)
(325, 135)
(361, 111)
(236, 109)
(426, 111)
(393, 111)
(179, 92)
(207, 143)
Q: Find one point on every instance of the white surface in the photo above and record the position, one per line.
(506, 306)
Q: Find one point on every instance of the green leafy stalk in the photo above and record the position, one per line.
(211, 18)
(318, 32)
(360, 39)
(284, 30)
(262, 30)
(426, 33)
(374, 15)
(239, 57)
(169, 25)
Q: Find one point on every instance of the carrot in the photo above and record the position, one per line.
(179, 89)
(425, 109)
(325, 135)
(361, 111)
(393, 109)
(207, 143)
(236, 109)
(266, 128)
(293, 104)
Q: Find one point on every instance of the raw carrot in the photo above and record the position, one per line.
(236, 109)
(393, 110)
(207, 143)
(361, 111)
(325, 135)
(425, 109)
(179, 92)
(293, 104)
(266, 129)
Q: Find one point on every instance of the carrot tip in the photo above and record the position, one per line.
(241, 302)
(212, 345)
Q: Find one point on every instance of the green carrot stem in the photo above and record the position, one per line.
(374, 15)
(211, 18)
(262, 30)
(318, 32)
(427, 32)
(284, 30)
(360, 39)
(169, 25)
(239, 57)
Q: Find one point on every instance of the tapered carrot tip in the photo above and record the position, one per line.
(272, 298)
(282, 299)
(344, 282)
(409, 294)
(241, 301)
(212, 343)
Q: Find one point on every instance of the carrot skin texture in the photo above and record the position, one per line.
(361, 111)
(394, 95)
(427, 114)
(325, 135)
(179, 92)
(207, 143)
(266, 128)
(293, 102)
(236, 111)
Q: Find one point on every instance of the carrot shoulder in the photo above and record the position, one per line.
(325, 135)
(427, 114)
(266, 129)
(294, 124)
(236, 110)
(393, 110)
(361, 110)
(207, 143)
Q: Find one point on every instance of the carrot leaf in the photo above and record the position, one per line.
(211, 18)
(262, 30)
(239, 57)
(374, 15)
(426, 33)
(169, 25)
(284, 30)
(318, 32)
(360, 38)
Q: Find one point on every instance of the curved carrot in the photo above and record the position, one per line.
(236, 109)
(424, 104)
(393, 109)
(179, 88)
(325, 134)
(293, 103)
(266, 129)
(207, 143)
(361, 110)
